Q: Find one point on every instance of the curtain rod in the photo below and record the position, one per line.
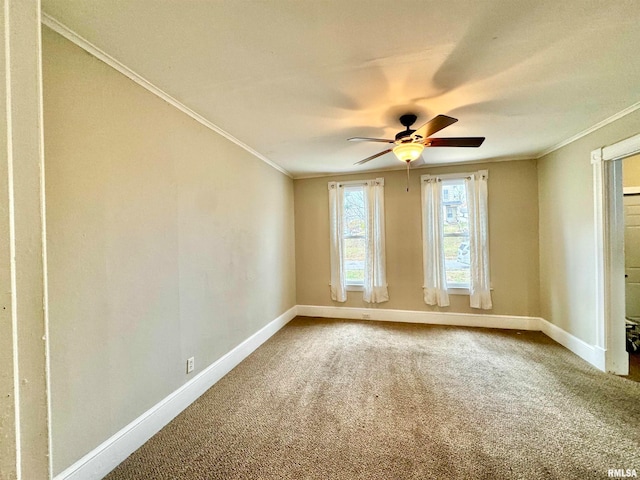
(377, 181)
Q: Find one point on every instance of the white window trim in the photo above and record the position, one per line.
(460, 291)
(457, 290)
(354, 286)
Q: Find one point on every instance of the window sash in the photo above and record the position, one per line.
(353, 187)
(449, 196)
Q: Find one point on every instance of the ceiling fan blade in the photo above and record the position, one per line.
(454, 142)
(372, 157)
(366, 139)
(432, 126)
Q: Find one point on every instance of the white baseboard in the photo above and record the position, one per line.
(591, 353)
(416, 316)
(100, 461)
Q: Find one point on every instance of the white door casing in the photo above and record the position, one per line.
(609, 252)
(25, 435)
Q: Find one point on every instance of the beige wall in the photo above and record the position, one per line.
(513, 230)
(567, 235)
(631, 171)
(165, 241)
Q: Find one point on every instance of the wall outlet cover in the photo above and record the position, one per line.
(190, 364)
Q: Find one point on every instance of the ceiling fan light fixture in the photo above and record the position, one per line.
(407, 152)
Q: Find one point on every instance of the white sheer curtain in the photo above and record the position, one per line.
(480, 284)
(336, 228)
(375, 272)
(435, 280)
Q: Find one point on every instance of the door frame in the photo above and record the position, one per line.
(609, 252)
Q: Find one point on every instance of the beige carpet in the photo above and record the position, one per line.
(332, 399)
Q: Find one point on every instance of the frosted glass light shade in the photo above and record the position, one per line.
(407, 152)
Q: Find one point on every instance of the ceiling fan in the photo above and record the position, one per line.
(410, 143)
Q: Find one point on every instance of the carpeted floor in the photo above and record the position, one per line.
(333, 399)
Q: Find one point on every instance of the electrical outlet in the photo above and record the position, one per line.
(190, 364)
(366, 316)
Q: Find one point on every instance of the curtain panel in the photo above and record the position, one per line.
(477, 202)
(375, 272)
(337, 284)
(435, 280)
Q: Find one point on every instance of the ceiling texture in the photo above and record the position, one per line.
(293, 79)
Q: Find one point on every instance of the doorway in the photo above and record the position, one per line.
(609, 253)
(631, 215)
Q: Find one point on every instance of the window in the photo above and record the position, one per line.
(456, 233)
(356, 240)
(455, 238)
(354, 251)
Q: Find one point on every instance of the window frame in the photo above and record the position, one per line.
(454, 176)
(449, 179)
(351, 286)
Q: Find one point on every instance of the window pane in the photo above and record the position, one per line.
(456, 232)
(454, 204)
(354, 211)
(354, 255)
(456, 260)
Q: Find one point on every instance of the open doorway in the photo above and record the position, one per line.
(610, 353)
(631, 220)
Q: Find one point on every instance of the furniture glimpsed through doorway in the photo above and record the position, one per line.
(631, 209)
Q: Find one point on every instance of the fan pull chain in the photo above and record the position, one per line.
(407, 176)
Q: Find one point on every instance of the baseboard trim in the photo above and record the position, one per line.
(100, 461)
(104, 458)
(590, 353)
(415, 316)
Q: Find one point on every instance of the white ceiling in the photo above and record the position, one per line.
(294, 79)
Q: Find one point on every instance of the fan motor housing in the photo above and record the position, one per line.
(404, 134)
(407, 120)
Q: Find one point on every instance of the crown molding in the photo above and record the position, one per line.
(86, 45)
(83, 43)
(422, 167)
(597, 126)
